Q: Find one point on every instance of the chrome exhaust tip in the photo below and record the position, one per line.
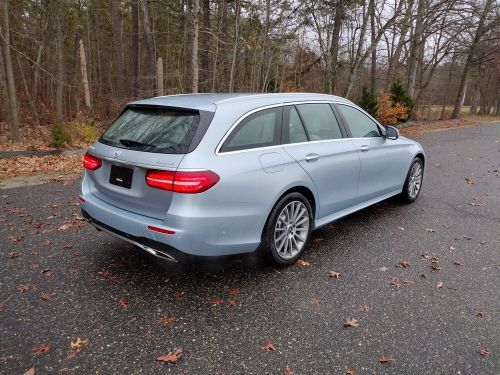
(157, 253)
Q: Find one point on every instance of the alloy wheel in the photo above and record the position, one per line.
(291, 230)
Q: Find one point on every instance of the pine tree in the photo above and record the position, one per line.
(368, 102)
(399, 95)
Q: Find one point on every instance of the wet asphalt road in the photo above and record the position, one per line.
(300, 310)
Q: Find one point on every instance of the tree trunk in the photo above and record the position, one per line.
(4, 105)
(334, 48)
(60, 68)
(118, 48)
(415, 46)
(159, 77)
(30, 99)
(150, 77)
(394, 62)
(194, 47)
(235, 46)
(205, 46)
(85, 79)
(470, 59)
(11, 84)
(135, 47)
(373, 72)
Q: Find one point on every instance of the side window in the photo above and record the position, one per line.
(359, 124)
(260, 129)
(319, 121)
(293, 130)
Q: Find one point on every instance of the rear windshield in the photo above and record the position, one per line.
(167, 131)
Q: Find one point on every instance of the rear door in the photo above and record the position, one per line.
(315, 139)
(142, 139)
(383, 162)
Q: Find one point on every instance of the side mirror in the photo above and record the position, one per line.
(391, 133)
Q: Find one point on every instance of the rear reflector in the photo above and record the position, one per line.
(90, 162)
(81, 199)
(160, 230)
(182, 182)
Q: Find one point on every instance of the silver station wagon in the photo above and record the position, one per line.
(220, 174)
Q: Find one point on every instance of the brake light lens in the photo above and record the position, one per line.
(90, 162)
(182, 182)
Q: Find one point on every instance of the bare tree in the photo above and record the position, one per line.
(11, 84)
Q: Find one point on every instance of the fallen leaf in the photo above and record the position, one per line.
(407, 282)
(333, 274)
(485, 268)
(123, 303)
(476, 204)
(180, 295)
(363, 308)
(171, 357)
(31, 371)
(64, 227)
(468, 238)
(302, 263)
(484, 352)
(166, 320)
(425, 255)
(232, 302)
(435, 264)
(103, 273)
(47, 273)
(26, 288)
(401, 228)
(430, 230)
(403, 264)
(456, 263)
(385, 360)
(351, 322)
(480, 313)
(13, 254)
(383, 269)
(78, 343)
(234, 291)
(73, 353)
(288, 371)
(469, 180)
(351, 372)
(452, 248)
(269, 347)
(41, 349)
(315, 301)
(216, 302)
(15, 239)
(45, 296)
(439, 284)
(395, 285)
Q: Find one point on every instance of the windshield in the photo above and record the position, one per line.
(168, 131)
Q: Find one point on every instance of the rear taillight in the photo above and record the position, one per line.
(182, 182)
(91, 162)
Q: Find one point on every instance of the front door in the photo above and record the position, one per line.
(313, 137)
(383, 162)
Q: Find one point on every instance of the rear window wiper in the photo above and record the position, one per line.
(132, 143)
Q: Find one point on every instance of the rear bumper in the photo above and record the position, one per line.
(153, 247)
(198, 230)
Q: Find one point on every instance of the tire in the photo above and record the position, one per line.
(413, 182)
(296, 232)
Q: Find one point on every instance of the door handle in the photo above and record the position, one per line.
(365, 148)
(312, 157)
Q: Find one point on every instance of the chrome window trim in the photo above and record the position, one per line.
(245, 115)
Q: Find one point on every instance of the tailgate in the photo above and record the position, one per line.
(121, 180)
